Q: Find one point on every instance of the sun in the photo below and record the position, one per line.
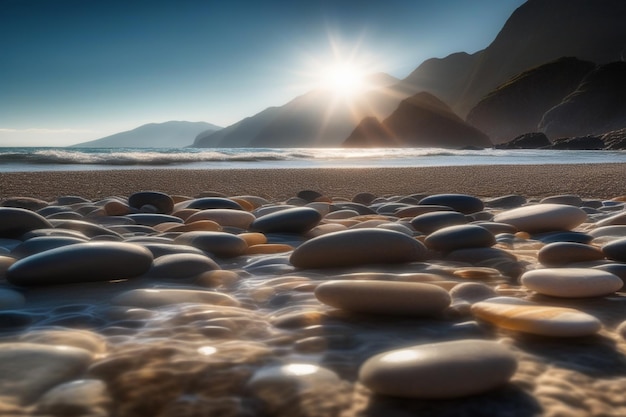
(343, 79)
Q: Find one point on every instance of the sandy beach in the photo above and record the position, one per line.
(597, 181)
(130, 303)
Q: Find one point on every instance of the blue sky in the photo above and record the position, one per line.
(76, 70)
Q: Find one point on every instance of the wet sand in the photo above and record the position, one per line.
(597, 181)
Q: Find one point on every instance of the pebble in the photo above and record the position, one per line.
(221, 244)
(81, 262)
(206, 203)
(14, 222)
(452, 238)
(442, 370)
(161, 202)
(151, 298)
(615, 250)
(540, 218)
(526, 317)
(431, 222)
(571, 282)
(384, 297)
(42, 243)
(563, 253)
(463, 203)
(84, 339)
(88, 397)
(357, 247)
(224, 217)
(296, 220)
(181, 265)
(27, 370)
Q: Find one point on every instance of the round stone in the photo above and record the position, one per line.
(43, 243)
(27, 203)
(292, 220)
(428, 223)
(463, 203)
(523, 316)
(617, 269)
(357, 247)
(567, 199)
(163, 203)
(571, 282)
(181, 265)
(440, 370)
(151, 298)
(83, 339)
(206, 203)
(563, 253)
(384, 297)
(222, 245)
(615, 250)
(81, 262)
(90, 230)
(14, 222)
(460, 237)
(224, 217)
(543, 217)
(506, 201)
(10, 299)
(609, 231)
(152, 219)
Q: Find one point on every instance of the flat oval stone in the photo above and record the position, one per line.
(615, 230)
(81, 262)
(571, 282)
(357, 247)
(541, 218)
(615, 250)
(384, 297)
(568, 199)
(292, 220)
(27, 370)
(460, 237)
(224, 217)
(221, 244)
(563, 253)
(440, 370)
(43, 243)
(506, 201)
(463, 203)
(431, 222)
(83, 394)
(617, 269)
(615, 220)
(181, 265)
(88, 229)
(163, 203)
(519, 315)
(151, 298)
(84, 339)
(14, 222)
(206, 203)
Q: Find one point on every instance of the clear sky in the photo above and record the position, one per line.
(76, 70)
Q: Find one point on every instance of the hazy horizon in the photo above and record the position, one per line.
(75, 70)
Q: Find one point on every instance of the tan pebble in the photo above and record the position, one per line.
(619, 198)
(268, 248)
(298, 319)
(253, 238)
(369, 224)
(245, 204)
(167, 226)
(116, 208)
(522, 235)
(523, 316)
(341, 214)
(218, 278)
(180, 198)
(621, 330)
(5, 263)
(313, 344)
(344, 222)
(224, 217)
(323, 229)
(198, 226)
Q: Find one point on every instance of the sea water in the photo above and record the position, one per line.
(71, 159)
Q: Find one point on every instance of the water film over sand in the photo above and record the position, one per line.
(459, 291)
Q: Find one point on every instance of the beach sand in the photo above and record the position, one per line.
(224, 357)
(596, 181)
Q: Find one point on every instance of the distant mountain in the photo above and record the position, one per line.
(173, 134)
(517, 106)
(536, 33)
(419, 121)
(317, 118)
(597, 106)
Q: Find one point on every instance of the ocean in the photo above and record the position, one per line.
(26, 159)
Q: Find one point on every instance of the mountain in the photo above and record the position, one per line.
(318, 118)
(597, 106)
(517, 106)
(172, 134)
(421, 120)
(537, 32)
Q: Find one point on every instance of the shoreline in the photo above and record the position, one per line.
(585, 180)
